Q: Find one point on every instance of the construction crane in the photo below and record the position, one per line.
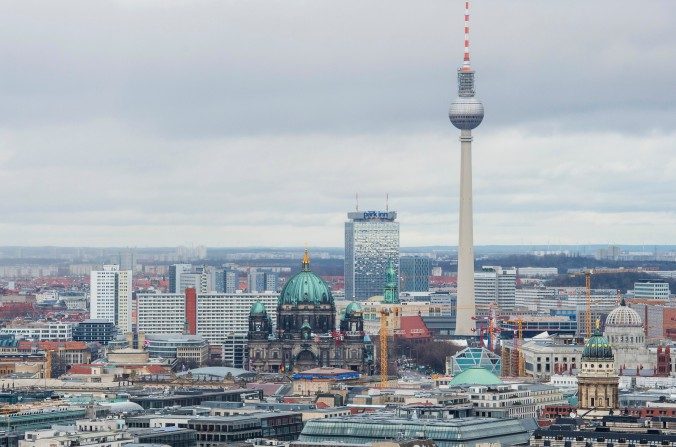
(384, 313)
(514, 365)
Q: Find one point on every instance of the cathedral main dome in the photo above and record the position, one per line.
(305, 287)
(623, 316)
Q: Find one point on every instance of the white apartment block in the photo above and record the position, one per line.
(651, 290)
(202, 282)
(218, 315)
(537, 271)
(514, 400)
(161, 313)
(536, 299)
(110, 295)
(494, 285)
(48, 331)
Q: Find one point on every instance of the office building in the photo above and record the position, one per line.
(202, 279)
(466, 113)
(175, 272)
(271, 282)
(90, 331)
(255, 281)
(189, 348)
(371, 243)
(231, 280)
(651, 290)
(494, 286)
(415, 273)
(110, 296)
(39, 330)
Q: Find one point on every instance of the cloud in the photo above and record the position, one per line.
(254, 123)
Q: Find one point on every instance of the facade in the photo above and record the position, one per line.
(306, 335)
(110, 292)
(191, 348)
(89, 331)
(544, 357)
(495, 286)
(415, 273)
(454, 432)
(513, 401)
(597, 381)
(214, 316)
(371, 243)
(161, 313)
(38, 330)
(231, 281)
(537, 272)
(255, 281)
(651, 290)
(175, 272)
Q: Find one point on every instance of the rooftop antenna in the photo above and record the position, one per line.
(465, 61)
(387, 202)
(356, 201)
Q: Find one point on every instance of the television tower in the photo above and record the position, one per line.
(466, 113)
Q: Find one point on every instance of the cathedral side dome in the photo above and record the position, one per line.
(305, 287)
(623, 316)
(597, 348)
(353, 308)
(257, 308)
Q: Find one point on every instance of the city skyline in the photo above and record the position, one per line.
(156, 138)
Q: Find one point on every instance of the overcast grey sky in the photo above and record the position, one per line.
(237, 123)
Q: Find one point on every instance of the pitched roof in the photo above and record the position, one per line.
(413, 327)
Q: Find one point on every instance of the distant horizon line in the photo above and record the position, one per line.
(550, 247)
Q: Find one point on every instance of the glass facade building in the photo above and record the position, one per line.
(371, 242)
(415, 273)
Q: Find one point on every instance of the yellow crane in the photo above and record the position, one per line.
(384, 313)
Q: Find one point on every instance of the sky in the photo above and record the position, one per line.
(254, 123)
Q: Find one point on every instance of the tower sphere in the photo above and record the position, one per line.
(466, 113)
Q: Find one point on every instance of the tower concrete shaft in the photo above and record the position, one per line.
(465, 307)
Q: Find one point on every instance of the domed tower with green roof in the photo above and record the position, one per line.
(390, 295)
(260, 325)
(597, 382)
(306, 335)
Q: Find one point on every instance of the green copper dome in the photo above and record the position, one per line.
(597, 347)
(305, 288)
(257, 308)
(353, 308)
(475, 375)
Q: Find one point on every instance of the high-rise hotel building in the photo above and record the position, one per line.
(110, 296)
(371, 243)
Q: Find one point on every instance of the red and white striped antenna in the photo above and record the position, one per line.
(466, 58)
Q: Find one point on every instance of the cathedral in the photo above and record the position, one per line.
(306, 335)
(597, 381)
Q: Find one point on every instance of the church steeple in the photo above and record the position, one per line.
(390, 295)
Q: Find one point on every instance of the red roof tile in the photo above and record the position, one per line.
(413, 327)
